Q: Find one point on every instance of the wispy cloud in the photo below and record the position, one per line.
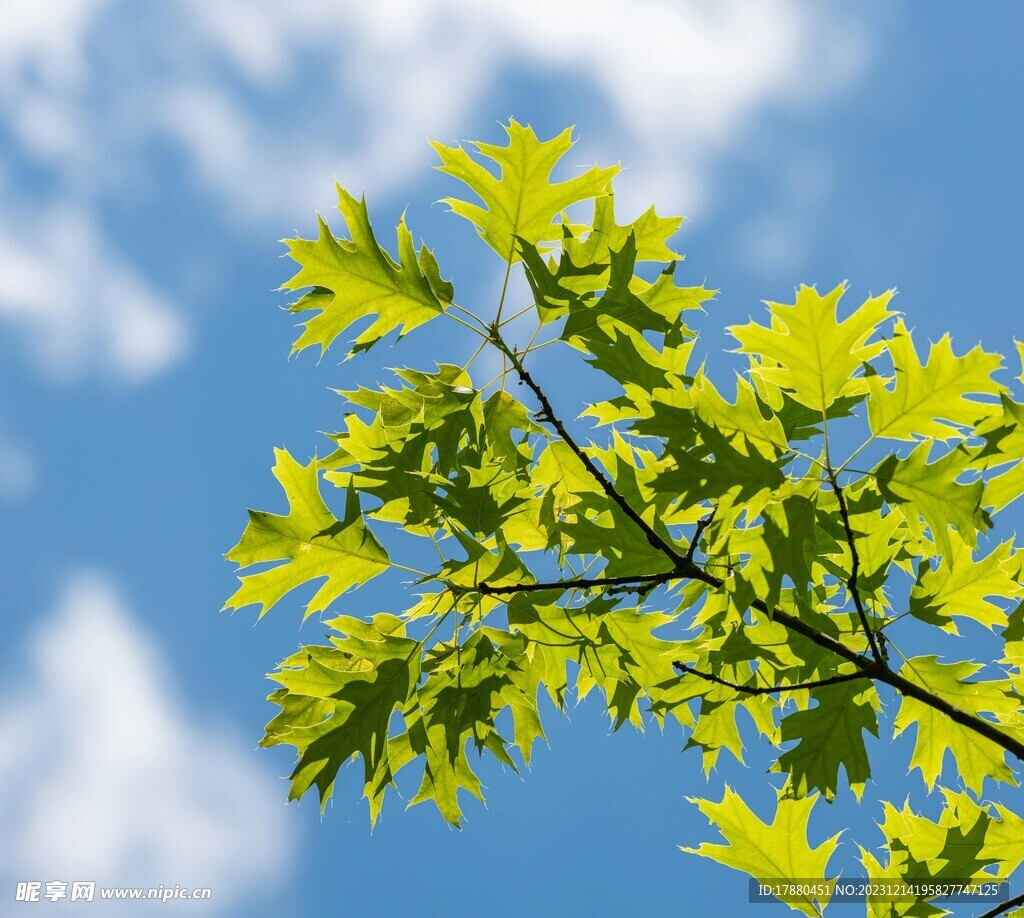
(681, 82)
(105, 778)
(268, 100)
(65, 287)
(80, 307)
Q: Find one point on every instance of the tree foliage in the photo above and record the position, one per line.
(800, 549)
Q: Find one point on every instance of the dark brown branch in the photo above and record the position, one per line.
(1004, 907)
(547, 414)
(641, 581)
(768, 690)
(877, 670)
(851, 584)
(867, 667)
(685, 568)
(702, 524)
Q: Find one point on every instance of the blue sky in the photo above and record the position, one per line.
(150, 159)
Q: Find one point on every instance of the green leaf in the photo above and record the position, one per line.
(504, 414)
(655, 308)
(1013, 635)
(931, 491)
(612, 535)
(956, 847)
(336, 703)
(467, 687)
(748, 418)
(634, 663)
(612, 649)
(717, 727)
(418, 430)
(960, 585)
(881, 541)
(1004, 840)
(1003, 433)
(769, 851)
(557, 285)
(521, 200)
(831, 734)
(356, 279)
(650, 232)
(975, 756)
(310, 541)
(652, 379)
(481, 495)
(808, 352)
(489, 560)
(389, 469)
(931, 399)
(628, 358)
(739, 474)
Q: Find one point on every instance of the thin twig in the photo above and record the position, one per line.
(547, 414)
(482, 330)
(685, 568)
(768, 690)
(851, 584)
(580, 583)
(522, 312)
(876, 670)
(476, 354)
(698, 531)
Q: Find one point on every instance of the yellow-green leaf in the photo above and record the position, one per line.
(976, 757)
(931, 399)
(931, 490)
(778, 850)
(310, 541)
(960, 586)
(521, 200)
(808, 352)
(357, 279)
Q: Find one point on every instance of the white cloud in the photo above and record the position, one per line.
(72, 296)
(683, 81)
(79, 305)
(103, 777)
(49, 37)
(270, 100)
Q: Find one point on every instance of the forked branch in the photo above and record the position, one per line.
(547, 415)
(684, 567)
(640, 582)
(685, 669)
(851, 585)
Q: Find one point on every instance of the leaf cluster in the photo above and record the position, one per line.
(759, 552)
